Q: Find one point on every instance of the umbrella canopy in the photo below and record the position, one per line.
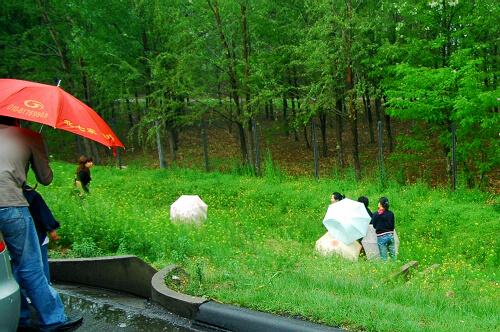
(370, 245)
(328, 245)
(52, 106)
(347, 220)
(188, 209)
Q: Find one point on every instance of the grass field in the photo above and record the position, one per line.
(256, 249)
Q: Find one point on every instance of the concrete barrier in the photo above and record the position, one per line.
(232, 318)
(127, 274)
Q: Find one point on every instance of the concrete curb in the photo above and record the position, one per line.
(127, 274)
(232, 318)
(132, 275)
(178, 303)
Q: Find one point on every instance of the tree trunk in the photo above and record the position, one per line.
(138, 108)
(159, 146)
(322, 124)
(246, 88)
(295, 135)
(351, 93)
(114, 107)
(368, 113)
(251, 155)
(131, 124)
(388, 129)
(204, 141)
(131, 121)
(295, 94)
(285, 115)
(315, 148)
(79, 145)
(389, 132)
(378, 108)
(87, 147)
(58, 44)
(306, 139)
(231, 71)
(95, 152)
(173, 143)
(243, 143)
(257, 148)
(340, 129)
(381, 153)
(353, 116)
(92, 148)
(271, 110)
(495, 68)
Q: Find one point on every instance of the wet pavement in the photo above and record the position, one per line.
(105, 310)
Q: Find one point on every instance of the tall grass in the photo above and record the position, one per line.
(256, 248)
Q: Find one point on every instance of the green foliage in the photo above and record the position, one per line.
(422, 93)
(86, 247)
(256, 249)
(445, 77)
(151, 66)
(271, 169)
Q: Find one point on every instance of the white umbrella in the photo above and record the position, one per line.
(370, 245)
(188, 209)
(347, 220)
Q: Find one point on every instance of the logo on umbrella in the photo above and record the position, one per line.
(33, 104)
(35, 109)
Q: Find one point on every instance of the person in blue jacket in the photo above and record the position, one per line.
(45, 224)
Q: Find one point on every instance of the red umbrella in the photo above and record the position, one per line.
(52, 106)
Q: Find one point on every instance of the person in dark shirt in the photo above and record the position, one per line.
(366, 202)
(383, 222)
(82, 180)
(45, 223)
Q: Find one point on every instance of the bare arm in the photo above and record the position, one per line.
(39, 160)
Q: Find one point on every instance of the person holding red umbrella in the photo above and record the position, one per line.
(20, 148)
(50, 105)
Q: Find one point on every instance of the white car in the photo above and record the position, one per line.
(10, 301)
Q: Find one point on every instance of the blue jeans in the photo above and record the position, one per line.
(19, 233)
(44, 250)
(385, 244)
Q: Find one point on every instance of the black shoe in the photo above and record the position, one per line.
(71, 324)
(27, 328)
(27, 325)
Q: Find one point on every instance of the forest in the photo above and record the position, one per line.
(335, 75)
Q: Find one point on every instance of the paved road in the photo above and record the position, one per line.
(104, 310)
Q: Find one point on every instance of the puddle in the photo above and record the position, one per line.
(105, 310)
